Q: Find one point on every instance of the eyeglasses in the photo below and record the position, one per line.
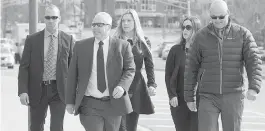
(188, 27)
(51, 17)
(219, 17)
(98, 24)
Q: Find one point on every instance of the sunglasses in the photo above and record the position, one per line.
(98, 24)
(51, 17)
(219, 17)
(188, 27)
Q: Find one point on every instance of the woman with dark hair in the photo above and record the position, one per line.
(130, 29)
(183, 118)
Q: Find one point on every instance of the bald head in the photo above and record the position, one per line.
(52, 8)
(219, 13)
(102, 17)
(219, 6)
(101, 25)
(52, 18)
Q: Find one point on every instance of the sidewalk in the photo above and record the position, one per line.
(72, 123)
(141, 128)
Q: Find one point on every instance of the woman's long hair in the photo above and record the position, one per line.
(196, 25)
(138, 31)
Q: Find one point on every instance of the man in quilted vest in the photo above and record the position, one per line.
(217, 59)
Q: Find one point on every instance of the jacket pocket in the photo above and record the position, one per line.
(200, 77)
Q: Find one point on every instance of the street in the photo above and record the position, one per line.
(253, 117)
(14, 115)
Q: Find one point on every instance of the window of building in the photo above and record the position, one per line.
(125, 5)
(120, 5)
(172, 9)
(133, 6)
(148, 5)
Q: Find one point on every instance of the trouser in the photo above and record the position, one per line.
(95, 116)
(229, 105)
(17, 58)
(38, 113)
(129, 122)
(184, 119)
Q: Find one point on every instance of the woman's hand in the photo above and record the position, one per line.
(151, 91)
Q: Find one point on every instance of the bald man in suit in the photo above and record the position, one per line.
(100, 75)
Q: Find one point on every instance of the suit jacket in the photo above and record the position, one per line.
(120, 69)
(32, 65)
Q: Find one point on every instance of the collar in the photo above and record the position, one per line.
(104, 41)
(226, 29)
(47, 33)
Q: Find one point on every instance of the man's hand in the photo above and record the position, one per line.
(174, 102)
(192, 106)
(118, 92)
(151, 91)
(24, 99)
(251, 95)
(70, 108)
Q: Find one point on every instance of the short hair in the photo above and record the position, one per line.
(51, 7)
(107, 18)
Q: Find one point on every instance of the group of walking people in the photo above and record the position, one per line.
(100, 78)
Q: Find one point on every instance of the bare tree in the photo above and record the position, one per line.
(250, 12)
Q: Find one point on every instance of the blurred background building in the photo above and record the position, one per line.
(78, 14)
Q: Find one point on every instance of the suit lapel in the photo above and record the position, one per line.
(89, 50)
(59, 46)
(41, 47)
(111, 50)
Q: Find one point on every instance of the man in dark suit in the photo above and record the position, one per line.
(100, 75)
(43, 72)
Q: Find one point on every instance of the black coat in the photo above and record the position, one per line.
(174, 77)
(141, 101)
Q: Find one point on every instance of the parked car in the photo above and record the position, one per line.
(162, 47)
(166, 50)
(7, 57)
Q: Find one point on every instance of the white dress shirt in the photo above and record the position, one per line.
(92, 88)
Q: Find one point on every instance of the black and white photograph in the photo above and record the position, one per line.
(132, 65)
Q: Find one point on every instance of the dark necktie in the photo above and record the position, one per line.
(130, 41)
(101, 68)
(186, 50)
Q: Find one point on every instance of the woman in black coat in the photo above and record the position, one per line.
(130, 29)
(183, 118)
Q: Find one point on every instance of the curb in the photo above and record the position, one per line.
(142, 128)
